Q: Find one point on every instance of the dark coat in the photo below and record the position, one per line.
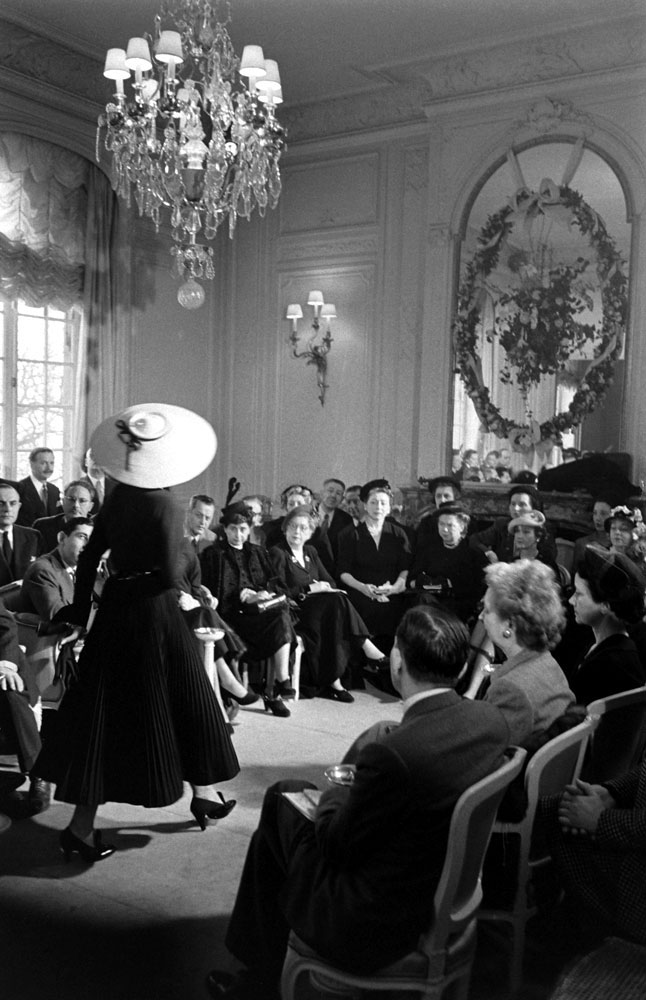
(27, 546)
(367, 872)
(47, 586)
(326, 542)
(32, 506)
(609, 668)
(49, 528)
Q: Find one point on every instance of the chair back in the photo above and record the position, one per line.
(556, 765)
(11, 595)
(459, 892)
(619, 739)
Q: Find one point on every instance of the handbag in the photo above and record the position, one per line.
(259, 607)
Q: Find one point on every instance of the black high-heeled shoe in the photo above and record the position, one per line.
(206, 809)
(283, 689)
(71, 844)
(250, 698)
(275, 704)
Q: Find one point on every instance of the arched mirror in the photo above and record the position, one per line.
(541, 315)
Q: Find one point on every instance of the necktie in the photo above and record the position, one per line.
(7, 551)
(325, 524)
(100, 492)
(43, 495)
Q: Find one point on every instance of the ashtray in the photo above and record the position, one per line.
(341, 774)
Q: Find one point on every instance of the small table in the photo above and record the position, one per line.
(208, 637)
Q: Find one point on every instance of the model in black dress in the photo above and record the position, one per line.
(143, 717)
(326, 620)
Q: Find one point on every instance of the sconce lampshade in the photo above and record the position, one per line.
(252, 62)
(328, 311)
(138, 55)
(294, 311)
(169, 48)
(315, 299)
(115, 65)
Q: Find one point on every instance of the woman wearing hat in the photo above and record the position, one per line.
(373, 561)
(447, 568)
(142, 717)
(240, 575)
(327, 621)
(609, 597)
(499, 544)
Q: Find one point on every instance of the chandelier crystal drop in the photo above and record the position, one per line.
(198, 134)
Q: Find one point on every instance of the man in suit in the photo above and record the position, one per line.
(332, 520)
(78, 500)
(17, 719)
(18, 546)
(48, 584)
(357, 883)
(100, 484)
(197, 524)
(38, 498)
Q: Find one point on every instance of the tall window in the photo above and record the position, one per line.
(38, 355)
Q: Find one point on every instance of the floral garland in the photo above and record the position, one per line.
(537, 325)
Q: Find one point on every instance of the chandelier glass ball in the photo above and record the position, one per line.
(197, 138)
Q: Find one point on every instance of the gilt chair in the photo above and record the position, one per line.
(555, 765)
(445, 951)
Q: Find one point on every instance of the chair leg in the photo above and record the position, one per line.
(296, 670)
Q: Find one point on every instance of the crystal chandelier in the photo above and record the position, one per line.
(192, 137)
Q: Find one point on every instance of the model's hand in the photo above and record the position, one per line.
(318, 586)
(10, 679)
(491, 556)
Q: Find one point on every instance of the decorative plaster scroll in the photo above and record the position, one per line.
(416, 170)
(550, 115)
(567, 54)
(385, 107)
(316, 246)
(40, 58)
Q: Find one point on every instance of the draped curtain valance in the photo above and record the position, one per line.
(43, 217)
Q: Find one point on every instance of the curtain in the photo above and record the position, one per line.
(43, 197)
(105, 310)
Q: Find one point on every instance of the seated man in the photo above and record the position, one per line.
(197, 524)
(332, 520)
(77, 501)
(19, 546)
(17, 719)
(48, 584)
(357, 883)
(38, 498)
(597, 835)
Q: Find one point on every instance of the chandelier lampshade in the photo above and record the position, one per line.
(198, 134)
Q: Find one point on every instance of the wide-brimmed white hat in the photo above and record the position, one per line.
(529, 518)
(152, 445)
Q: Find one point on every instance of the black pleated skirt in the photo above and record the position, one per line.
(142, 717)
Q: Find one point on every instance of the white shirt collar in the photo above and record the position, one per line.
(414, 698)
(38, 486)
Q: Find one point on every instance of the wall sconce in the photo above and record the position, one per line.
(316, 353)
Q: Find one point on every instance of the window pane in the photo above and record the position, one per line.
(31, 383)
(55, 427)
(30, 430)
(31, 338)
(55, 341)
(1, 384)
(25, 310)
(55, 374)
(56, 313)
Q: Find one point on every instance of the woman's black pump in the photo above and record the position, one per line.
(87, 852)
(205, 809)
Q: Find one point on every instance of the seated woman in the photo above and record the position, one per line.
(372, 562)
(497, 542)
(601, 510)
(450, 572)
(528, 532)
(239, 575)
(523, 617)
(609, 597)
(327, 621)
(292, 496)
(198, 606)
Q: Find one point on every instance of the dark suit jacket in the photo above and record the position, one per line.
(361, 882)
(49, 528)
(47, 586)
(27, 546)
(32, 506)
(108, 488)
(326, 544)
